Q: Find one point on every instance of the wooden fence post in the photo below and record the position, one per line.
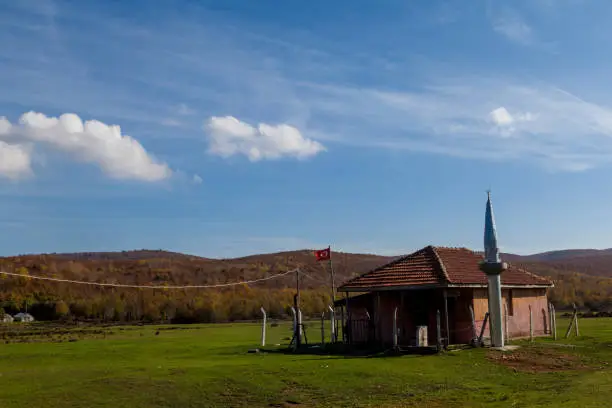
(572, 320)
(530, 324)
(474, 335)
(482, 329)
(263, 327)
(576, 324)
(550, 319)
(506, 321)
(554, 321)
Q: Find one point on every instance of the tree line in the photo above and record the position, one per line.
(51, 301)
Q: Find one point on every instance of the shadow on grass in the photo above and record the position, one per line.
(351, 351)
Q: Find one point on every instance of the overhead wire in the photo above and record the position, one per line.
(121, 285)
(313, 278)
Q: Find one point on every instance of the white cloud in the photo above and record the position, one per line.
(119, 156)
(197, 179)
(505, 121)
(5, 126)
(15, 161)
(501, 117)
(229, 136)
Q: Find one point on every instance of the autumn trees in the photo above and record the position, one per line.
(52, 300)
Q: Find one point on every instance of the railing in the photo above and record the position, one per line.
(361, 331)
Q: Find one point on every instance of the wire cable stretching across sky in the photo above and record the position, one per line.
(120, 285)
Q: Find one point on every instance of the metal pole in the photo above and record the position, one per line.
(295, 326)
(333, 324)
(300, 326)
(333, 276)
(263, 327)
(297, 288)
(322, 328)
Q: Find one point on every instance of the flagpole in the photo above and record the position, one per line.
(333, 276)
(333, 287)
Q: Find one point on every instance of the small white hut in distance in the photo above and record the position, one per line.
(6, 318)
(24, 317)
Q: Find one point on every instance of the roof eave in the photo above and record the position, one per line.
(441, 286)
(390, 288)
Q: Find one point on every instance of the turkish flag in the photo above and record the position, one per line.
(323, 254)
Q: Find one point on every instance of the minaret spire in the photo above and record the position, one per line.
(493, 267)
(490, 234)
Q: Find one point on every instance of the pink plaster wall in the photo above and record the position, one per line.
(518, 311)
(459, 315)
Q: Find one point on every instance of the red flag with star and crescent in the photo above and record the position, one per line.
(323, 254)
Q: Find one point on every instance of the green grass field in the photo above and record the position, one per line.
(208, 366)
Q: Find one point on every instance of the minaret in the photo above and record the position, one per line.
(493, 267)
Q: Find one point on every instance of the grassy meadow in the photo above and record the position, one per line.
(209, 366)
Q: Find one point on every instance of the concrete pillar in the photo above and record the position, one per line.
(332, 322)
(263, 327)
(495, 310)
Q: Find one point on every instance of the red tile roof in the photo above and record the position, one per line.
(439, 266)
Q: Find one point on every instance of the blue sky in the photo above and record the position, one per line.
(223, 128)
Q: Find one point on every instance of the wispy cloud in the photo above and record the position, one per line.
(171, 122)
(471, 118)
(512, 26)
(183, 109)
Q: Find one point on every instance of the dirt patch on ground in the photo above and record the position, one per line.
(538, 359)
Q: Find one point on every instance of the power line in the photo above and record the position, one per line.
(119, 285)
(313, 278)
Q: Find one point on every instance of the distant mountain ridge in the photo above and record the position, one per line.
(595, 262)
(563, 254)
(137, 254)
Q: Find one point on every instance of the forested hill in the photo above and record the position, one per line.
(581, 276)
(161, 267)
(51, 300)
